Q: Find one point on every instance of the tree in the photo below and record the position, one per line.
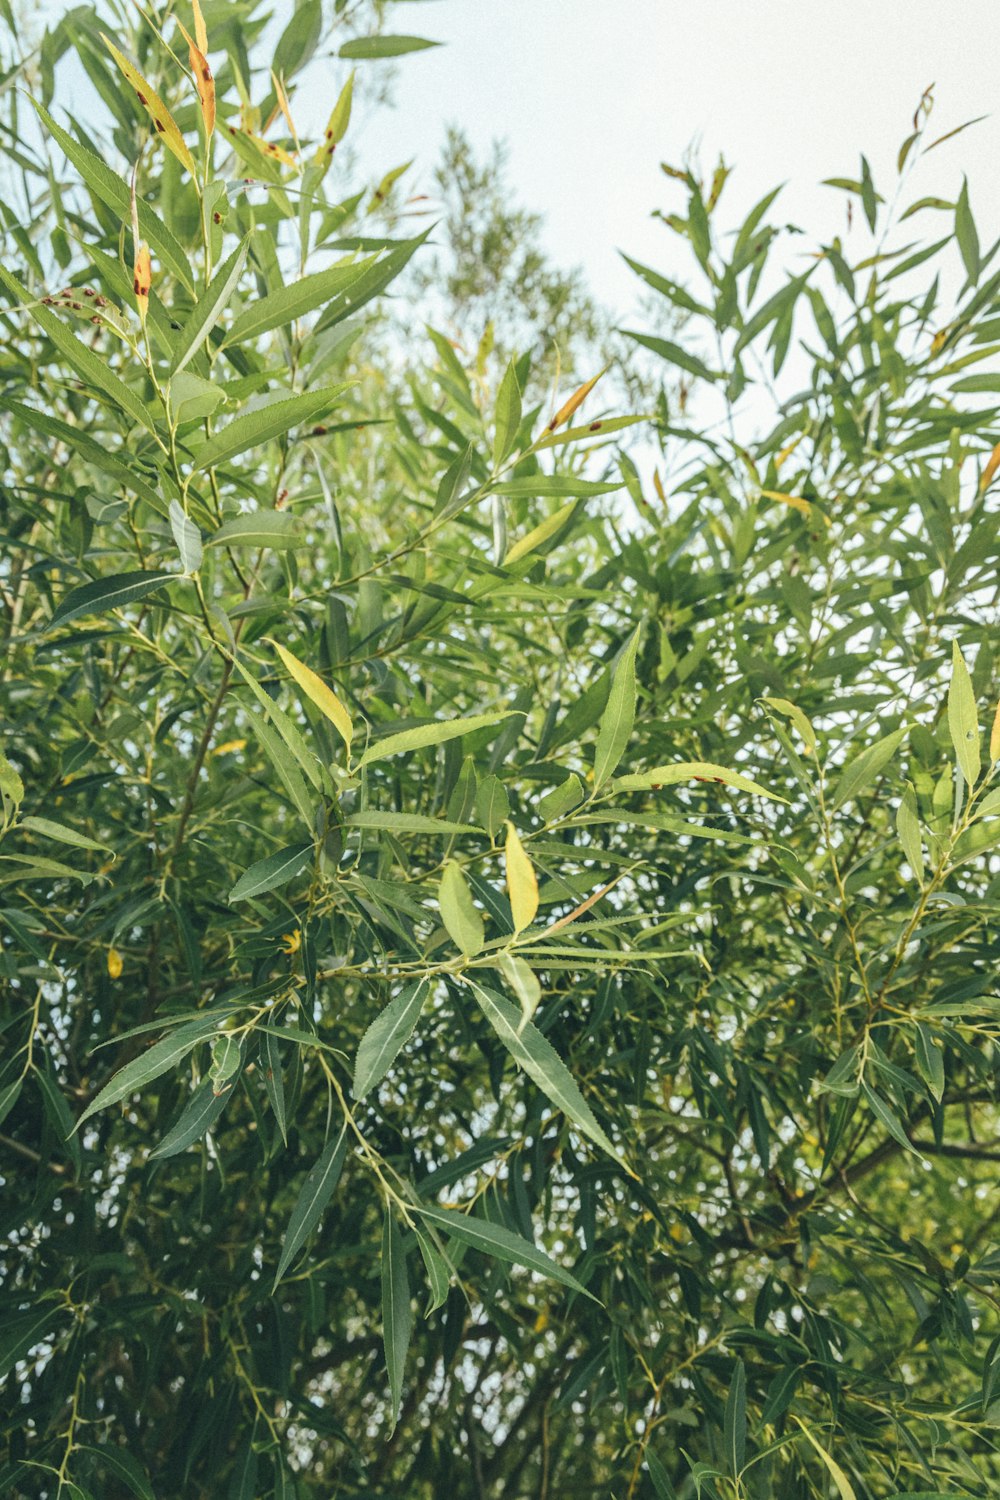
(499, 993)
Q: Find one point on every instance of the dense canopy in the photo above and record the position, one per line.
(499, 911)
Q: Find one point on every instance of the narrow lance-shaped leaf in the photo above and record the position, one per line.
(523, 981)
(109, 188)
(202, 1110)
(187, 538)
(158, 1059)
(283, 306)
(386, 1036)
(375, 47)
(257, 427)
(46, 828)
(735, 1420)
(543, 1065)
(163, 121)
(618, 717)
(318, 693)
(92, 367)
(963, 720)
(203, 80)
(862, 771)
(209, 307)
(908, 829)
(458, 911)
(691, 770)
(104, 594)
(507, 417)
(397, 1315)
(522, 882)
(336, 127)
(315, 1194)
(270, 873)
(431, 734)
(502, 1244)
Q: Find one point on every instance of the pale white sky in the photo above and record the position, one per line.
(592, 94)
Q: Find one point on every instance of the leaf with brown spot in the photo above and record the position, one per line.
(163, 121)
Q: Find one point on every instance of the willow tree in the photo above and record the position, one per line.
(498, 946)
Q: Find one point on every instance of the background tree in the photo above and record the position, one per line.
(499, 993)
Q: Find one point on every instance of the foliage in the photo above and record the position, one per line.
(499, 985)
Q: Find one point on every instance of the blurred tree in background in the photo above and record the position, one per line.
(498, 915)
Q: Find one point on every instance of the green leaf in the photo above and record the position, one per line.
(270, 873)
(966, 233)
(104, 594)
(863, 770)
(92, 368)
(507, 417)
(674, 354)
(438, 1273)
(492, 804)
(691, 770)
(199, 1115)
(431, 734)
(276, 529)
(257, 427)
(502, 1244)
(109, 188)
(398, 822)
(315, 1194)
(963, 720)
(209, 308)
(397, 1315)
(460, 915)
(386, 1036)
(88, 448)
(365, 48)
(543, 1065)
(619, 715)
(299, 40)
(187, 538)
(296, 299)
(155, 1061)
(930, 1060)
(274, 1082)
(891, 1121)
(119, 1462)
(908, 829)
(49, 830)
(735, 1421)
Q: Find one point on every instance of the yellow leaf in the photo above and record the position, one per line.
(336, 128)
(522, 883)
(995, 736)
(115, 964)
(787, 451)
(574, 403)
(285, 107)
(229, 747)
(142, 271)
(796, 501)
(200, 31)
(317, 692)
(162, 119)
(989, 473)
(203, 80)
(844, 1487)
(658, 485)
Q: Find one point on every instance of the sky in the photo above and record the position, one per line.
(591, 95)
